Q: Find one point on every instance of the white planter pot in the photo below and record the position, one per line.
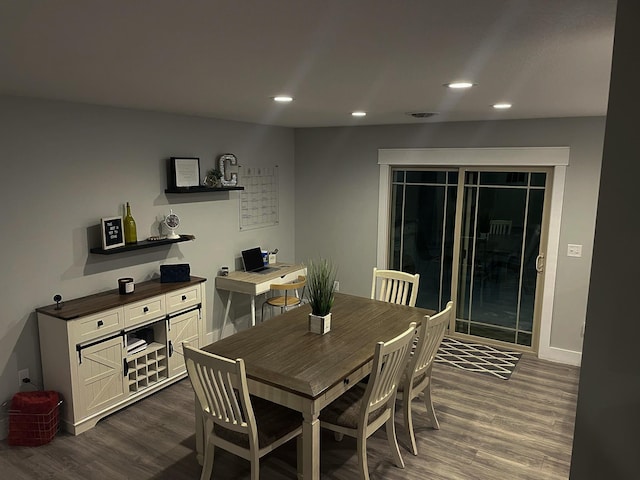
(318, 324)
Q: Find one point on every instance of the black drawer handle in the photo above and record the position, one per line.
(100, 323)
(145, 309)
(346, 381)
(184, 297)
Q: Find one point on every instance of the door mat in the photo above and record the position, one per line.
(479, 358)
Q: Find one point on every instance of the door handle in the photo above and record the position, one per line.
(540, 263)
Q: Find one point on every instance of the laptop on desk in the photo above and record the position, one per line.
(253, 262)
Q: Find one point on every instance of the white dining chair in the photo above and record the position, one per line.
(417, 377)
(395, 287)
(364, 408)
(244, 425)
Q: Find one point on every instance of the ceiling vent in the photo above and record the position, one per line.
(421, 114)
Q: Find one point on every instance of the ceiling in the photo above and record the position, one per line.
(227, 58)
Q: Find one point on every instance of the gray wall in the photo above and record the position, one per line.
(65, 165)
(606, 436)
(337, 210)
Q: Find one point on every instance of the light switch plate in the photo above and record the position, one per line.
(574, 250)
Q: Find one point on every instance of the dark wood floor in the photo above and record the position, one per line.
(491, 429)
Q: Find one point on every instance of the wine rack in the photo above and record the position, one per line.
(147, 367)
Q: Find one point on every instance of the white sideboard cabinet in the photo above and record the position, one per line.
(85, 354)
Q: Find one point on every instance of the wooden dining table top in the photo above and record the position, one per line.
(283, 352)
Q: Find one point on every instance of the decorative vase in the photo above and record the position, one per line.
(319, 324)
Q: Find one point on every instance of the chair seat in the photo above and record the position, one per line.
(345, 410)
(416, 381)
(283, 301)
(273, 421)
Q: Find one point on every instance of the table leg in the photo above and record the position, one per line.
(253, 310)
(226, 313)
(199, 433)
(310, 447)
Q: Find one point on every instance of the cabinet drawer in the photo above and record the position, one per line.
(141, 312)
(89, 328)
(289, 277)
(183, 298)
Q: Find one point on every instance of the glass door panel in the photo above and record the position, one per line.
(422, 218)
(501, 224)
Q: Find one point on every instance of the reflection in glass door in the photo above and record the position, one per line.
(499, 235)
(423, 223)
(499, 259)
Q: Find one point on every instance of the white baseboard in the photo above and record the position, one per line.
(560, 355)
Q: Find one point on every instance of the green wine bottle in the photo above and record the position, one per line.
(130, 234)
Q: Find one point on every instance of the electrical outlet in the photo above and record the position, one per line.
(22, 374)
(336, 285)
(574, 250)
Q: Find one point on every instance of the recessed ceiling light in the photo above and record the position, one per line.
(359, 114)
(502, 106)
(282, 98)
(459, 85)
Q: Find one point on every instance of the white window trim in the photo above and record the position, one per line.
(556, 157)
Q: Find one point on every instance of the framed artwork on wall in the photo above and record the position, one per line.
(112, 232)
(185, 171)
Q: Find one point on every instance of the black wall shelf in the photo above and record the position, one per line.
(200, 189)
(142, 245)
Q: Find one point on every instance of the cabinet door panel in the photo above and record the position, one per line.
(100, 376)
(182, 328)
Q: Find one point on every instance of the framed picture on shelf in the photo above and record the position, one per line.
(185, 171)
(112, 232)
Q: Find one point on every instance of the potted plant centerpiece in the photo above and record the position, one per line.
(321, 276)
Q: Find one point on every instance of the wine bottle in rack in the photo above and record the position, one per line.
(130, 234)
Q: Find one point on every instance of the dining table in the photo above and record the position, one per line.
(288, 364)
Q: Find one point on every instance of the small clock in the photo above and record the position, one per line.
(172, 221)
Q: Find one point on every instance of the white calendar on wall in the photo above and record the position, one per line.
(259, 199)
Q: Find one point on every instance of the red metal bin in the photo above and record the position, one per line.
(33, 418)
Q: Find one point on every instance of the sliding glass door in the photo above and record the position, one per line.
(423, 223)
(490, 225)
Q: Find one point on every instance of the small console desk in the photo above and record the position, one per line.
(254, 284)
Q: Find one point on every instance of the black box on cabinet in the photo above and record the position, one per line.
(180, 272)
